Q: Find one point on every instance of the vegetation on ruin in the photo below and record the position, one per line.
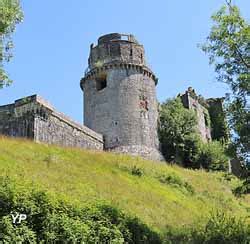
(219, 124)
(176, 125)
(181, 142)
(75, 194)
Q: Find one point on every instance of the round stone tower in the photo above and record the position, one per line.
(120, 97)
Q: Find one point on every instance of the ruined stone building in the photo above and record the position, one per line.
(120, 106)
(191, 101)
(211, 118)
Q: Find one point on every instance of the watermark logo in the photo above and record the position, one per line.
(17, 218)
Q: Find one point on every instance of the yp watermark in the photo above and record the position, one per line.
(17, 218)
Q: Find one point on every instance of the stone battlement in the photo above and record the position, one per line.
(116, 47)
(116, 37)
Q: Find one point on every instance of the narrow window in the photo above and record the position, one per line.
(101, 82)
(206, 120)
(141, 58)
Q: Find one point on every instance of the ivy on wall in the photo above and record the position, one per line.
(219, 126)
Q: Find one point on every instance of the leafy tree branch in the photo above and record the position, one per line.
(10, 15)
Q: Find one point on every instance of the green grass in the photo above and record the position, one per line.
(160, 195)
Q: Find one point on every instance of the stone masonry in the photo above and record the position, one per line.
(120, 97)
(191, 101)
(34, 118)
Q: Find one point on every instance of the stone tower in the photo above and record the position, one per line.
(120, 97)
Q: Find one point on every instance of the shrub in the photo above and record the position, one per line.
(174, 235)
(244, 188)
(10, 234)
(141, 233)
(228, 176)
(181, 142)
(136, 171)
(191, 151)
(52, 220)
(176, 122)
(212, 156)
(176, 181)
(221, 228)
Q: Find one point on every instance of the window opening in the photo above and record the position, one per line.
(101, 82)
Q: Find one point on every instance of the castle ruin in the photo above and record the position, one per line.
(196, 103)
(120, 106)
(211, 117)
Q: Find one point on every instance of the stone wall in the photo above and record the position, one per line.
(12, 123)
(34, 118)
(191, 101)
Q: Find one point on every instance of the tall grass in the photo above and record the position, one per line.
(158, 194)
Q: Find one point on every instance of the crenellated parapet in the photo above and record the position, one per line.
(116, 47)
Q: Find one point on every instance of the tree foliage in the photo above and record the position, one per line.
(222, 228)
(228, 46)
(176, 124)
(181, 141)
(54, 220)
(212, 156)
(10, 15)
(219, 124)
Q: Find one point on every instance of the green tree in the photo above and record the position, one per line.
(181, 142)
(192, 151)
(228, 46)
(10, 15)
(212, 156)
(177, 124)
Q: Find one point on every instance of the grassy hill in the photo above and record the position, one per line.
(160, 195)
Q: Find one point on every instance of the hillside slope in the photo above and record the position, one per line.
(158, 194)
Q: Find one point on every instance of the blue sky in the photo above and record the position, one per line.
(52, 46)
